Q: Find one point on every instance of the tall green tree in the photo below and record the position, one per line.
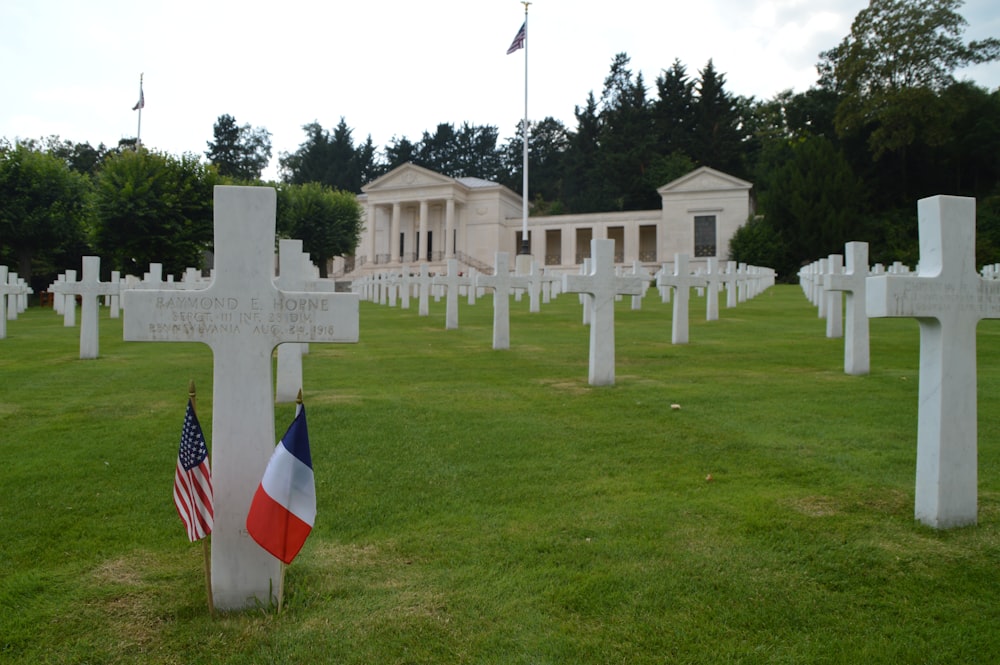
(439, 151)
(477, 154)
(673, 110)
(716, 135)
(626, 140)
(328, 221)
(328, 158)
(813, 203)
(43, 207)
(548, 143)
(153, 207)
(583, 180)
(369, 166)
(400, 151)
(239, 152)
(890, 72)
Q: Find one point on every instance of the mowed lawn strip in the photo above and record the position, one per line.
(481, 506)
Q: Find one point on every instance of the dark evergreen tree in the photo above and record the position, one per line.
(548, 145)
(626, 142)
(673, 111)
(716, 138)
(582, 179)
(239, 152)
(439, 151)
(400, 151)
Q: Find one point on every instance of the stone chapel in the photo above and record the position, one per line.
(413, 215)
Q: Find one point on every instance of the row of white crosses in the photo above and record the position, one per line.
(825, 283)
(89, 288)
(601, 286)
(13, 298)
(742, 283)
(383, 288)
(948, 297)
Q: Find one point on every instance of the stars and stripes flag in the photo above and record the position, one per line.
(141, 104)
(193, 479)
(283, 509)
(519, 39)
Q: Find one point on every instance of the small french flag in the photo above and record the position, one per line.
(283, 509)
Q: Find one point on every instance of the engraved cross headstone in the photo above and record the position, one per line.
(681, 281)
(242, 316)
(451, 282)
(948, 298)
(852, 282)
(6, 289)
(69, 300)
(423, 290)
(601, 286)
(833, 297)
(502, 282)
(89, 288)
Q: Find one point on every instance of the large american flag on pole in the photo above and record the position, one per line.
(519, 38)
(193, 479)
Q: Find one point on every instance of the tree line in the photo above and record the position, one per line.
(885, 124)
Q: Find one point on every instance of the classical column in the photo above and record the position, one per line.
(449, 229)
(371, 233)
(539, 244)
(394, 250)
(422, 248)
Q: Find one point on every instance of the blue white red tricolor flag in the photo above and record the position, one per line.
(193, 479)
(284, 507)
(519, 39)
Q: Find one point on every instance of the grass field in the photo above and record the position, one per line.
(481, 506)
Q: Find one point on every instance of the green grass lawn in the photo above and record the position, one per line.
(481, 506)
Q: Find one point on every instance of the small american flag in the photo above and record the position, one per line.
(519, 39)
(193, 479)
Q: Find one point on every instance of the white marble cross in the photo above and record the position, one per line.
(69, 300)
(502, 282)
(423, 290)
(833, 298)
(534, 288)
(242, 316)
(585, 269)
(852, 282)
(292, 274)
(730, 280)
(681, 281)
(471, 289)
(948, 298)
(451, 282)
(6, 289)
(713, 282)
(601, 286)
(89, 288)
(639, 270)
(114, 298)
(405, 284)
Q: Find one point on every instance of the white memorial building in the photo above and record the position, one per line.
(413, 215)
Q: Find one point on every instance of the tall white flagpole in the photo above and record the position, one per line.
(141, 103)
(525, 245)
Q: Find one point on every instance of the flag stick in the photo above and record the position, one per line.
(204, 541)
(138, 131)
(281, 582)
(281, 588)
(525, 245)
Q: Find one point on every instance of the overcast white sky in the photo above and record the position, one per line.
(389, 67)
